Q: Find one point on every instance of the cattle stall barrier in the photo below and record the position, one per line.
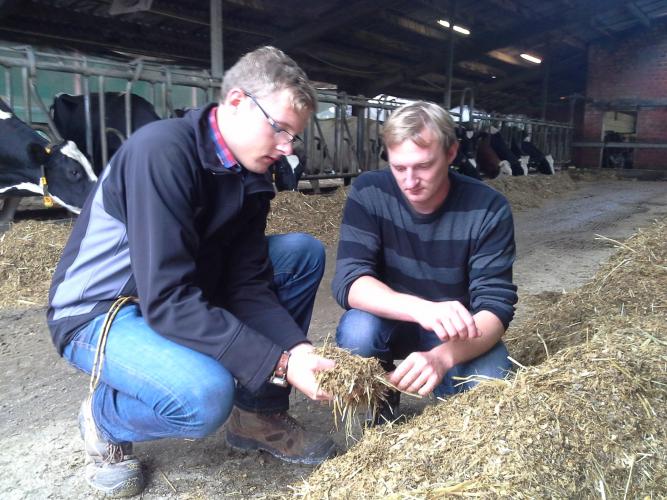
(551, 138)
(30, 74)
(342, 139)
(348, 140)
(628, 150)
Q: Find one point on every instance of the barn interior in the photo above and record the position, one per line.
(597, 65)
(603, 70)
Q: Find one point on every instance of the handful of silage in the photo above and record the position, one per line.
(355, 383)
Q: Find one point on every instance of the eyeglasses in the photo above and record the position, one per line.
(283, 136)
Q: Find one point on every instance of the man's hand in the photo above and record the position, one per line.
(302, 369)
(448, 320)
(420, 372)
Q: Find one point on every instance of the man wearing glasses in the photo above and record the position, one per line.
(172, 297)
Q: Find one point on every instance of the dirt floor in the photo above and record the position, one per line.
(40, 394)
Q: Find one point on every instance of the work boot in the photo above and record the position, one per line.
(278, 434)
(386, 411)
(113, 469)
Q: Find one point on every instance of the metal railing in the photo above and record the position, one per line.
(341, 143)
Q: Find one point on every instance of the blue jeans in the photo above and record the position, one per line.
(152, 387)
(371, 336)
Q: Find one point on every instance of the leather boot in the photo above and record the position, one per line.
(278, 434)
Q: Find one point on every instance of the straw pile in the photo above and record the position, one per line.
(29, 253)
(356, 384)
(633, 282)
(530, 191)
(318, 215)
(587, 422)
(29, 248)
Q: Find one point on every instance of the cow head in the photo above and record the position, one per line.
(69, 175)
(467, 141)
(504, 168)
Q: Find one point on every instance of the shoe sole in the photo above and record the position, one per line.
(246, 444)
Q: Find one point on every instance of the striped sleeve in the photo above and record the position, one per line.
(358, 247)
(490, 265)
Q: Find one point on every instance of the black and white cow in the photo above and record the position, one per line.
(536, 159)
(488, 162)
(70, 120)
(287, 172)
(504, 153)
(26, 157)
(465, 161)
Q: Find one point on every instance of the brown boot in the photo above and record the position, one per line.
(278, 434)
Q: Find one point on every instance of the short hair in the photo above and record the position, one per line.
(266, 70)
(409, 120)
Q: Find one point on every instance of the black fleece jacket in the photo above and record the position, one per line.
(169, 224)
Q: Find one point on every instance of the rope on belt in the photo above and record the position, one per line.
(96, 372)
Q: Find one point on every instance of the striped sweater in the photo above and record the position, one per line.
(463, 251)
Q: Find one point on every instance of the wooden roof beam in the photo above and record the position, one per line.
(336, 18)
(506, 38)
(7, 7)
(415, 26)
(530, 74)
(636, 11)
(512, 7)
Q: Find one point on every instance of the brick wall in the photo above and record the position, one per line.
(634, 67)
(652, 127)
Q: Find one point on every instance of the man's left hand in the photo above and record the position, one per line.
(419, 373)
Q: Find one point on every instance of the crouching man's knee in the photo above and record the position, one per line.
(362, 333)
(493, 364)
(201, 410)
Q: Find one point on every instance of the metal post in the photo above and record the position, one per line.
(88, 117)
(545, 86)
(27, 104)
(450, 56)
(103, 124)
(360, 113)
(337, 140)
(8, 88)
(216, 40)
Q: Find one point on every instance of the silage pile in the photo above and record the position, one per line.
(318, 215)
(587, 422)
(30, 250)
(631, 284)
(530, 191)
(29, 253)
(357, 385)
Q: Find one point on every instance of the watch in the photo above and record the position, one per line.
(279, 375)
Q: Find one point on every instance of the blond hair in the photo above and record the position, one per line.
(408, 121)
(266, 70)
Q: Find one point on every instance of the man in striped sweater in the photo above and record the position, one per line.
(424, 265)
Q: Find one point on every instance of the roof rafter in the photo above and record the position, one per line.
(639, 14)
(508, 37)
(336, 18)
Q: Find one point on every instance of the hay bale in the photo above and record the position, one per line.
(356, 384)
(587, 422)
(29, 253)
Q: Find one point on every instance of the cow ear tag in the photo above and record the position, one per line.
(48, 200)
